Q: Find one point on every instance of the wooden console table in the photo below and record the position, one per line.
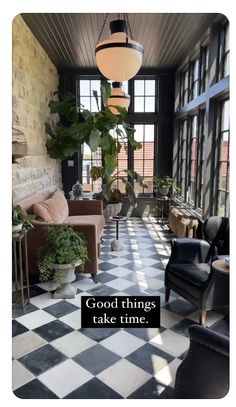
(182, 223)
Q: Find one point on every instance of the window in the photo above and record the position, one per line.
(144, 158)
(90, 159)
(86, 88)
(223, 176)
(144, 95)
(191, 141)
(193, 157)
(200, 158)
(182, 151)
(194, 79)
(122, 164)
(224, 51)
(204, 68)
(184, 88)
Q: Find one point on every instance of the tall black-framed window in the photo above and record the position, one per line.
(191, 142)
(204, 68)
(200, 158)
(145, 95)
(224, 51)
(223, 157)
(142, 115)
(86, 88)
(184, 87)
(194, 79)
(143, 159)
(182, 157)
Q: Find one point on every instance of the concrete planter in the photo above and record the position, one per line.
(112, 209)
(16, 229)
(66, 289)
(164, 190)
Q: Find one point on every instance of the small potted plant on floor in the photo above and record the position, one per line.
(64, 250)
(21, 222)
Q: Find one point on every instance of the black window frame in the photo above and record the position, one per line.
(223, 53)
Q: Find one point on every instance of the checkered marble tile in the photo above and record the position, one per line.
(54, 358)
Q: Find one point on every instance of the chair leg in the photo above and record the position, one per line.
(167, 294)
(202, 317)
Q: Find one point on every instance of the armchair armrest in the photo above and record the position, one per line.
(92, 207)
(188, 250)
(204, 373)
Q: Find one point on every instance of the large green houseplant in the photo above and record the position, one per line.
(102, 129)
(65, 249)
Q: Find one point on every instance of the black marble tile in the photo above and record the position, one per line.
(53, 330)
(145, 333)
(94, 389)
(102, 290)
(96, 359)
(61, 308)
(106, 266)
(18, 312)
(17, 328)
(150, 390)
(98, 334)
(34, 390)
(42, 359)
(180, 307)
(168, 393)
(183, 326)
(105, 277)
(143, 357)
(35, 290)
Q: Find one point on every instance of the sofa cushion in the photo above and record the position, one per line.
(54, 209)
(97, 220)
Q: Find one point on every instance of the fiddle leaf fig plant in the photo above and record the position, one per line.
(78, 125)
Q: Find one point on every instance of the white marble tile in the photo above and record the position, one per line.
(171, 342)
(120, 284)
(169, 319)
(26, 343)
(119, 261)
(44, 300)
(20, 375)
(122, 343)
(73, 319)
(124, 377)
(35, 319)
(65, 378)
(166, 376)
(119, 272)
(73, 343)
(77, 300)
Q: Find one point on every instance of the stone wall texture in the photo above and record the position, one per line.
(35, 79)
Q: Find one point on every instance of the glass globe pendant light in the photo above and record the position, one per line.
(118, 98)
(119, 58)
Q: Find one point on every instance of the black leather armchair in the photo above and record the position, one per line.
(204, 373)
(189, 272)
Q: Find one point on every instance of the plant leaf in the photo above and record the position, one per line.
(94, 139)
(105, 91)
(95, 94)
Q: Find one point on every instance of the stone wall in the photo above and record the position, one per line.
(35, 79)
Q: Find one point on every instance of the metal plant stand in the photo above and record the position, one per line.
(21, 272)
(116, 244)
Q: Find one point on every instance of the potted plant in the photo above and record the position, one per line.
(65, 249)
(21, 222)
(166, 186)
(112, 197)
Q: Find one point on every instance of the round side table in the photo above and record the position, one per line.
(116, 244)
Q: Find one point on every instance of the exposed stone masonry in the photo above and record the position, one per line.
(35, 79)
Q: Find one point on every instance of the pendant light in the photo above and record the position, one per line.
(119, 58)
(118, 98)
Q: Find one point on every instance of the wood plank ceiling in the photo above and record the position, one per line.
(69, 39)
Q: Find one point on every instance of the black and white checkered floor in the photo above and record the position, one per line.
(54, 358)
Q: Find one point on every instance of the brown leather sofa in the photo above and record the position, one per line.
(84, 216)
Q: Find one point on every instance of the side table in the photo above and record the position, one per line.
(20, 271)
(116, 244)
(163, 202)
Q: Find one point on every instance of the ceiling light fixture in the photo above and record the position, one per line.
(118, 98)
(119, 58)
